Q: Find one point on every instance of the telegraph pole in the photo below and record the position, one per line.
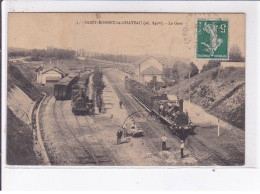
(189, 86)
(218, 127)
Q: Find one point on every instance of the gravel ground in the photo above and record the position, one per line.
(91, 139)
(67, 137)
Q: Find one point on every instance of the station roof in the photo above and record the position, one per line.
(64, 81)
(58, 70)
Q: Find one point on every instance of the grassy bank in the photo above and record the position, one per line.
(221, 92)
(19, 142)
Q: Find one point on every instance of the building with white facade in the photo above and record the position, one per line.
(147, 69)
(232, 64)
(50, 75)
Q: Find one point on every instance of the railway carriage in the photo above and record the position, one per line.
(63, 88)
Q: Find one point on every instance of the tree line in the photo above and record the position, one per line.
(98, 85)
(114, 58)
(176, 73)
(41, 54)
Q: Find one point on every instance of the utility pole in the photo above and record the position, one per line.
(218, 127)
(139, 74)
(189, 86)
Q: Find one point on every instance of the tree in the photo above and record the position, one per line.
(235, 54)
(175, 73)
(98, 85)
(211, 64)
(193, 70)
(167, 72)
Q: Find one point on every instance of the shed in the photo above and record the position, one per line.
(50, 75)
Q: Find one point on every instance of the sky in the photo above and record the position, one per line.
(131, 36)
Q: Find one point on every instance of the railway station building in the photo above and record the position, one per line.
(147, 69)
(50, 75)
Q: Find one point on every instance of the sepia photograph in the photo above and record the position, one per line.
(126, 89)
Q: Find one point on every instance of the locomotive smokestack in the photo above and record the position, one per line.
(181, 105)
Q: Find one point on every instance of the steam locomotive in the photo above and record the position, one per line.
(170, 112)
(82, 95)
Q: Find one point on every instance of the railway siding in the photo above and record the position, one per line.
(153, 129)
(213, 153)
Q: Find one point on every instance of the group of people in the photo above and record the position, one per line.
(164, 139)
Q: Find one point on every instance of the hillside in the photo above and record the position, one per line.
(220, 92)
(20, 141)
(16, 78)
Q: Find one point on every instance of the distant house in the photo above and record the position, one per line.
(232, 64)
(38, 69)
(147, 69)
(50, 75)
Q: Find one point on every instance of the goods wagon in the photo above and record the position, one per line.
(63, 88)
(168, 111)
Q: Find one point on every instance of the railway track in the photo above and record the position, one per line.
(195, 142)
(82, 153)
(144, 125)
(83, 123)
(133, 109)
(129, 102)
(214, 155)
(93, 146)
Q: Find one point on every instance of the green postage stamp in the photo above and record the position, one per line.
(212, 39)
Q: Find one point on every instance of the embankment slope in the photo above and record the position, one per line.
(221, 92)
(20, 140)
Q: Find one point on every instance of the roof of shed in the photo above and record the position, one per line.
(58, 70)
(145, 58)
(151, 71)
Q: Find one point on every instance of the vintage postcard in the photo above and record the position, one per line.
(126, 89)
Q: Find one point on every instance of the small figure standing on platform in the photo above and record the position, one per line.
(164, 139)
(160, 109)
(182, 149)
(120, 103)
(119, 136)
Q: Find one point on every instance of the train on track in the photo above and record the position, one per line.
(83, 95)
(63, 88)
(170, 112)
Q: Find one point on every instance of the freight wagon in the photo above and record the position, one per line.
(63, 88)
(168, 111)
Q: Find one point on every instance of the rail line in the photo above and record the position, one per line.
(60, 132)
(214, 155)
(143, 126)
(87, 156)
(196, 143)
(107, 153)
(122, 96)
(102, 145)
